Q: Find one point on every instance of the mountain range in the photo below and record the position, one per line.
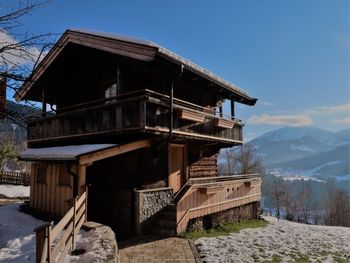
(305, 151)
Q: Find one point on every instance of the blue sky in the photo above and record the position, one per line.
(292, 55)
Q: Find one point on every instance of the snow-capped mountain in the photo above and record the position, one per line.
(307, 151)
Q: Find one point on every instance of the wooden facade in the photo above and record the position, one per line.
(162, 114)
(52, 186)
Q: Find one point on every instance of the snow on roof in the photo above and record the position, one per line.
(62, 153)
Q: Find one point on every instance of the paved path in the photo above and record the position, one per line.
(172, 249)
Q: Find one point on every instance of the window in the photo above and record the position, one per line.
(41, 174)
(111, 92)
(64, 178)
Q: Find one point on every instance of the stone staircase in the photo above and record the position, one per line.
(165, 223)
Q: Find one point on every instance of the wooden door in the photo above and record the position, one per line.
(177, 162)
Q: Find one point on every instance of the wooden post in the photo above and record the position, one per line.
(220, 110)
(40, 241)
(86, 202)
(43, 101)
(232, 108)
(48, 235)
(171, 111)
(42, 234)
(74, 221)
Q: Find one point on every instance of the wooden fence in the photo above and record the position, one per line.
(54, 243)
(14, 178)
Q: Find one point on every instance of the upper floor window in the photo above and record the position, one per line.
(111, 92)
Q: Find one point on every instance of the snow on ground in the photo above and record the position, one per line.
(17, 239)
(12, 191)
(343, 177)
(284, 240)
(98, 245)
(302, 178)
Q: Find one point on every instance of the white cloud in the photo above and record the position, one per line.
(326, 110)
(266, 103)
(289, 120)
(345, 121)
(16, 54)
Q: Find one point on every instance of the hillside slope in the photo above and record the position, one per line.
(280, 241)
(334, 162)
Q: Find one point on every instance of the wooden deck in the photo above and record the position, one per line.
(140, 111)
(203, 196)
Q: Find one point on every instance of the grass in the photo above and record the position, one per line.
(275, 259)
(225, 229)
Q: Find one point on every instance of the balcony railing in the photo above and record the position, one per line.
(140, 111)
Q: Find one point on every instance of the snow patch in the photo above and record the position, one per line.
(12, 191)
(343, 177)
(290, 171)
(284, 239)
(302, 178)
(301, 147)
(17, 239)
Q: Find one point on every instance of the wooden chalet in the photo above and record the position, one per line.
(137, 124)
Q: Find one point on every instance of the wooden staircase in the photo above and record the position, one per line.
(165, 223)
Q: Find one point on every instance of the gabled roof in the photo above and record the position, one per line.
(130, 47)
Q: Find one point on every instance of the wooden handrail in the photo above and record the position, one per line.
(189, 208)
(70, 225)
(216, 204)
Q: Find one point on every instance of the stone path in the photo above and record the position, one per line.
(172, 249)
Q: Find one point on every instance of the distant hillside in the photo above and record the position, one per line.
(14, 121)
(334, 162)
(307, 151)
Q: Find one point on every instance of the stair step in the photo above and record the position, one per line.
(170, 208)
(170, 215)
(164, 232)
(166, 224)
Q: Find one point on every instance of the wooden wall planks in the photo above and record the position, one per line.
(195, 203)
(50, 196)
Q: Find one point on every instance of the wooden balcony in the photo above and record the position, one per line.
(140, 111)
(208, 195)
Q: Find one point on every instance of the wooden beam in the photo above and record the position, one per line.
(43, 102)
(103, 154)
(232, 107)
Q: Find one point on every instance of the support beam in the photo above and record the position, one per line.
(232, 108)
(43, 101)
(103, 154)
(171, 109)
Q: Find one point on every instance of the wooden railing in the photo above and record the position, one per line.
(14, 178)
(209, 195)
(54, 243)
(133, 112)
